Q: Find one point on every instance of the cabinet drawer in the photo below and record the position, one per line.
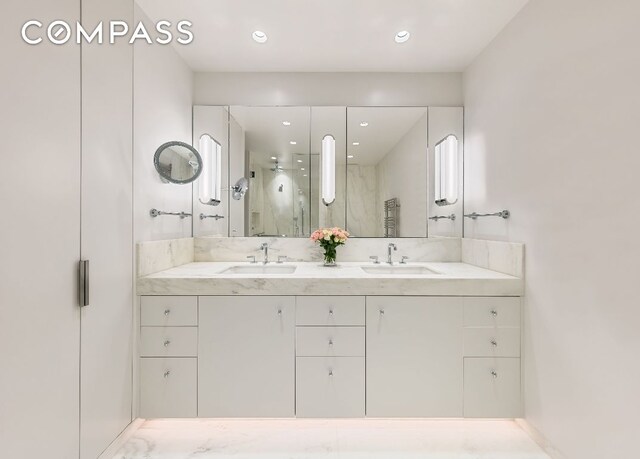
(330, 387)
(492, 387)
(168, 310)
(492, 312)
(330, 310)
(330, 341)
(169, 342)
(491, 342)
(168, 388)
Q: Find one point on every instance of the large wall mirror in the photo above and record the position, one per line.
(387, 176)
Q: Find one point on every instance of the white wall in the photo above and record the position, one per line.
(40, 234)
(298, 88)
(163, 99)
(551, 125)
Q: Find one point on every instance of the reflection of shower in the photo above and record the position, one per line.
(281, 187)
(277, 167)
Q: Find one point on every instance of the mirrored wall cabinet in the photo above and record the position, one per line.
(285, 171)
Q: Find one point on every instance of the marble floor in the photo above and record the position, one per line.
(330, 439)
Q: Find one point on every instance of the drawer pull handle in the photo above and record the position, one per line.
(331, 373)
(167, 373)
(494, 313)
(167, 312)
(330, 342)
(494, 343)
(279, 311)
(166, 343)
(330, 312)
(381, 311)
(494, 373)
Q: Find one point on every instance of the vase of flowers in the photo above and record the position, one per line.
(329, 239)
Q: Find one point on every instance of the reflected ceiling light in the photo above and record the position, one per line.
(293, 142)
(302, 168)
(364, 124)
(350, 156)
(328, 159)
(402, 36)
(355, 144)
(304, 175)
(286, 123)
(299, 160)
(273, 157)
(259, 36)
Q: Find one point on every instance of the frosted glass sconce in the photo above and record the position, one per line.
(328, 169)
(446, 171)
(211, 178)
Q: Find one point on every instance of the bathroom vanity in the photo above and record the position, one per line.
(237, 339)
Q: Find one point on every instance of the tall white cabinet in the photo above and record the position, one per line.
(40, 234)
(65, 384)
(107, 235)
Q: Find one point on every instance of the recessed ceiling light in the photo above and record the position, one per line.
(286, 123)
(293, 142)
(355, 144)
(304, 175)
(302, 168)
(364, 124)
(273, 157)
(259, 36)
(299, 160)
(402, 36)
(350, 156)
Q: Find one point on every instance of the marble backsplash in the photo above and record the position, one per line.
(302, 249)
(503, 257)
(154, 256)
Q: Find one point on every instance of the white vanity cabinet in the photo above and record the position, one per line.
(168, 356)
(492, 370)
(246, 356)
(414, 356)
(330, 356)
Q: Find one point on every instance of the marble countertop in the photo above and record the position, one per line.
(311, 278)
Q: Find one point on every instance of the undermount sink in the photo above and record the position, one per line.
(397, 270)
(260, 269)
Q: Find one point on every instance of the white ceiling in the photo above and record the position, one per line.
(335, 35)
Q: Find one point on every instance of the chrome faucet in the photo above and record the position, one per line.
(389, 256)
(265, 248)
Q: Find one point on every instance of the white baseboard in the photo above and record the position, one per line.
(539, 439)
(121, 439)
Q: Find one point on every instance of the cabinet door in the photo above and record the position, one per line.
(414, 357)
(246, 356)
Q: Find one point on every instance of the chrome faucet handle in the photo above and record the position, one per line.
(375, 260)
(404, 260)
(281, 258)
(252, 258)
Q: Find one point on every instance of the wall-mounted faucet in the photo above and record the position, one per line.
(391, 247)
(265, 249)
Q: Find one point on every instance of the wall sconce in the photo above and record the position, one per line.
(328, 169)
(446, 171)
(211, 179)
